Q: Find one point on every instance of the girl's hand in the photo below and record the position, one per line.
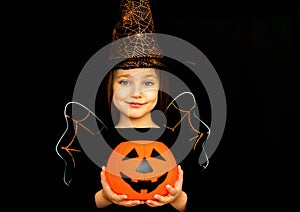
(112, 197)
(176, 197)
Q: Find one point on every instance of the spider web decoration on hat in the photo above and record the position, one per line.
(138, 45)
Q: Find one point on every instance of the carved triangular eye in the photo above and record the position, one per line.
(155, 154)
(131, 154)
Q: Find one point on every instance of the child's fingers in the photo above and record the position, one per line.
(179, 181)
(103, 180)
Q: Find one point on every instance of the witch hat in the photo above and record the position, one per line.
(134, 39)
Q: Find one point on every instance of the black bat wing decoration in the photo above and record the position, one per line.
(80, 122)
(193, 132)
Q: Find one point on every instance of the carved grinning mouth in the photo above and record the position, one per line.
(144, 184)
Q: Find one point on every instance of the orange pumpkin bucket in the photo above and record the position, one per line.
(141, 169)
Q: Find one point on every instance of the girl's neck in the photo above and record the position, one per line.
(136, 123)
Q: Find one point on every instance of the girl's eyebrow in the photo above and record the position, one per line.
(151, 75)
(123, 75)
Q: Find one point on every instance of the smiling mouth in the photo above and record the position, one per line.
(143, 184)
(135, 104)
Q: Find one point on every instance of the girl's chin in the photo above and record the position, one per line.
(135, 117)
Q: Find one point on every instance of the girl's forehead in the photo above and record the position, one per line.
(136, 72)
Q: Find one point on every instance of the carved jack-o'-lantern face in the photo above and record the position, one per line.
(141, 169)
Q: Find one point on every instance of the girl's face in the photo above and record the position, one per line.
(135, 93)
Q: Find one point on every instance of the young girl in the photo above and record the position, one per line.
(134, 94)
(134, 90)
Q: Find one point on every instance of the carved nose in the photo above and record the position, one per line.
(144, 167)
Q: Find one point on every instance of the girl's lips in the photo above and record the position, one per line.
(135, 104)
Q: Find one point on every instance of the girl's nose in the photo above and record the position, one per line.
(136, 91)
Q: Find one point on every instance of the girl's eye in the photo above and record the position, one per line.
(149, 83)
(124, 82)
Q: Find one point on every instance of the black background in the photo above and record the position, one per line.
(254, 50)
